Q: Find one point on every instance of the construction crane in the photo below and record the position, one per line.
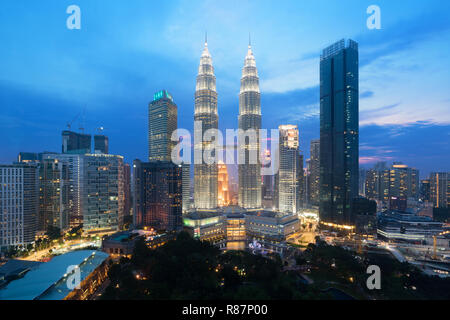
(69, 124)
(435, 243)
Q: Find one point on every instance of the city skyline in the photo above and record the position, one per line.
(387, 132)
(319, 171)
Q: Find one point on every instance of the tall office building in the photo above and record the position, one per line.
(339, 132)
(127, 201)
(101, 144)
(186, 184)
(19, 204)
(314, 172)
(76, 143)
(290, 172)
(205, 175)
(224, 189)
(54, 206)
(162, 121)
(158, 195)
(249, 119)
(440, 189)
(102, 193)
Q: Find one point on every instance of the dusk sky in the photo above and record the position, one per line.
(128, 50)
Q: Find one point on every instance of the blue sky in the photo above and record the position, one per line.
(127, 50)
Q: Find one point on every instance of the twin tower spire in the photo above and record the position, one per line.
(206, 175)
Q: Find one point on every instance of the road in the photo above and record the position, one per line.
(67, 246)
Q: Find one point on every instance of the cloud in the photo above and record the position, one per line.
(420, 145)
(366, 94)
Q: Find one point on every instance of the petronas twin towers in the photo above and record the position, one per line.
(205, 174)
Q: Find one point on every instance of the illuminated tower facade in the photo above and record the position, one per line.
(290, 173)
(249, 118)
(223, 192)
(162, 121)
(205, 174)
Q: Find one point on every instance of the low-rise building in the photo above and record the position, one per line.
(271, 228)
(207, 226)
(399, 225)
(75, 275)
(120, 244)
(239, 228)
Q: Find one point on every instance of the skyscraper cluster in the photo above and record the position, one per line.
(102, 193)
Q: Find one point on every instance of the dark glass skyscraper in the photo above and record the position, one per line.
(127, 200)
(101, 144)
(158, 195)
(78, 143)
(339, 132)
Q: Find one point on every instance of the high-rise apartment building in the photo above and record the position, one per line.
(54, 184)
(249, 119)
(158, 195)
(399, 181)
(102, 193)
(162, 121)
(75, 167)
(19, 204)
(440, 189)
(205, 174)
(339, 132)
(404, 181)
